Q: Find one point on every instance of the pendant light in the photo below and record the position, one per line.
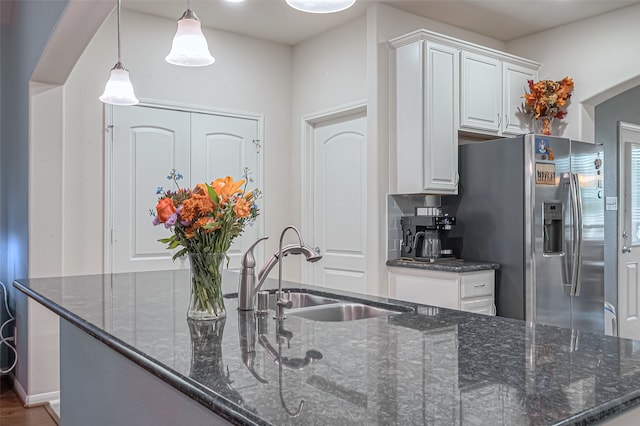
(189, 47)
(321, 6)
(119, 90)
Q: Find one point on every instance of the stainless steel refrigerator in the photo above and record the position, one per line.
(535, 205)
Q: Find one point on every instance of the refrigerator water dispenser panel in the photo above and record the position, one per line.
(553, 241)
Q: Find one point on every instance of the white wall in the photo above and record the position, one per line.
(600, 53)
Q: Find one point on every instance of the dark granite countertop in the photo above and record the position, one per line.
(458, 266)
(429, 366)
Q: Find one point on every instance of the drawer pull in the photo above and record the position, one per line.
(479, 285)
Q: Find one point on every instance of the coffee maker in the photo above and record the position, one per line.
(423, 234)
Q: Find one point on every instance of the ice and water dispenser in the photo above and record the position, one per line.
(553, 242)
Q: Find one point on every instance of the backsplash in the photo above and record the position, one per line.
(399, 206)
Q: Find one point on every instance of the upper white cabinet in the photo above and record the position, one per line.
(480, 92)
(514, 78)
(427, 96)
(491, 93)
(443, 85)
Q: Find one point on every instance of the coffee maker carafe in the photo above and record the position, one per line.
(422, 234)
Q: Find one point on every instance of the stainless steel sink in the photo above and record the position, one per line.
(301, 300)
(344, 311)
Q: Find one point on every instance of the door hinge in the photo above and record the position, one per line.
(256, 142)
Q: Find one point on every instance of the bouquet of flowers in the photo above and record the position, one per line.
(205, 220)
(545, 99)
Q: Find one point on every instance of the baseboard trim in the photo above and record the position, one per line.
(33, 400)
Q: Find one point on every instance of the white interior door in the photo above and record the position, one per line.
(629, 226)
(223, 146)
(147, 144)
(339, 203)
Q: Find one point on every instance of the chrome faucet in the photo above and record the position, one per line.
(250, 282)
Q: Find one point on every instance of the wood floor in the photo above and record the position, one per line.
(12, 413)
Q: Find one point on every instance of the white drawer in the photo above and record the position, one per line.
(477, 285)
(479, 306)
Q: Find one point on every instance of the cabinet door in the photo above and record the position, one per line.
(481, 93)
(441, 124)
(515, 84)
(426, 288)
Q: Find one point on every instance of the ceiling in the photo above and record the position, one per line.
(273, 20)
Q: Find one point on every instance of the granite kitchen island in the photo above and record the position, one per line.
(128, 354)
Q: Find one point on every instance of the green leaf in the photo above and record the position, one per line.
(166, 240)
(180, 253)
(213, 195)
(173, 244)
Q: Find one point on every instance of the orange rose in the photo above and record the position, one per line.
(165, 209)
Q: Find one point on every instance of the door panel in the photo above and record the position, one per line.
(629, 238)
(147, 144)
(553, 304)
(481, 92)
(515, 77)
(588, 303)
(340, 203)
(223, 146)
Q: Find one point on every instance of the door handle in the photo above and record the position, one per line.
(626, 249)
(579, 241)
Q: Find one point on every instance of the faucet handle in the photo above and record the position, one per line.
(248, 261)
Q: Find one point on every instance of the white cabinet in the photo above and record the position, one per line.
(427, 93)
(480, 92)
(444, 85)
(491, 93)
(515, 79)
(467, 291)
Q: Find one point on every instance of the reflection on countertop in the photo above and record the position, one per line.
(430, 366)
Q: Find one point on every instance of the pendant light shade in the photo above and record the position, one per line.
(189, 47)
(119, 90)
(321, 6)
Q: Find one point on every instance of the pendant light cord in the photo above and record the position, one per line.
(118, 26)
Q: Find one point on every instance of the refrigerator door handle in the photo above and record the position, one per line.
(578, 230)
(567, 269)
(574, 206)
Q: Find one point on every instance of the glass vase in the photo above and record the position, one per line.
(542, 125)
(206, 301)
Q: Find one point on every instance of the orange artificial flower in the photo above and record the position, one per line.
(546, 97)
(165, 209)
(242, 208)
(197, 205)
(226, 187)
(200, 189)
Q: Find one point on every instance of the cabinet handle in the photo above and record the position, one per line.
(479, 285)
(499, 120)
